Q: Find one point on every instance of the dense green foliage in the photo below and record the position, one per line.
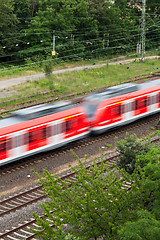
(147, 225)
(82, 28)
(97, 204)
(129, 148)
(8, 22)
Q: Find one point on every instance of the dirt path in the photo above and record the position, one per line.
(14, 81)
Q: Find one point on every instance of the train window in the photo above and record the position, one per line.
(30, 137)
(14, 142)
(55, 129)
(119, 110)
(153, 99)
(128, 107)
(44, 133)
(123, 108)
(25, 140)
(145, 102)
(2, 146)
(148, 101)
(38, 135)
(157, 98)
(133, 106)
(68, 126)
(49, 131)
(9, 144)
(59, 128)
(116, 110)
(136, 104)
(63, 127)
(141, 103)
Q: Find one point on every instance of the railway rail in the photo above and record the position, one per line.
(35, 194)
(75, 97)
(22, 231)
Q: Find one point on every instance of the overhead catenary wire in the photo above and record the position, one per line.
(55, 59)
(41, 49)
(67, 51)
(84, 40)
(67, 44)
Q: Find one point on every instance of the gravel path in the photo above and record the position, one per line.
(14, 81)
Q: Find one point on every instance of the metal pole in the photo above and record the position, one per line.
(103, 41)
(53, 42)
(53, 52)
(72, 39)
(143, 29)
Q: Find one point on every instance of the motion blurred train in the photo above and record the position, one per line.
(49, 126)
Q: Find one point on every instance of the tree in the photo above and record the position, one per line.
(61, 18)
(151, 183)
(8, 22)
(22, 11)
(147, 225)
(94, 205)
(129, 148)
(34, 6)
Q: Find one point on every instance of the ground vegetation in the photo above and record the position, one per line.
(97, 204)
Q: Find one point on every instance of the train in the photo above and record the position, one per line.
(48, 126)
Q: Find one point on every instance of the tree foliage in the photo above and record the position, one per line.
(22, 11)
(93, 206)
(129, 148)
(147, 225)
(97, 203)
(83, 29)
(8, 22)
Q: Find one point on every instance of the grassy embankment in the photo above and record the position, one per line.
(77, 82)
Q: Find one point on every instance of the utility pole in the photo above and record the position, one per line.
(143, 29)
(103, 41)
(72, 39)
(108, 41)
(53, 52)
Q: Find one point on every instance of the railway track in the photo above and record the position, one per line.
(76, 98)
(22, 231)
(35, 194)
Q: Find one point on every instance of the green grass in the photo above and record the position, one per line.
(77, 82)
(30, 67)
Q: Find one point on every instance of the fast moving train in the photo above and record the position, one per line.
(48, 126)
